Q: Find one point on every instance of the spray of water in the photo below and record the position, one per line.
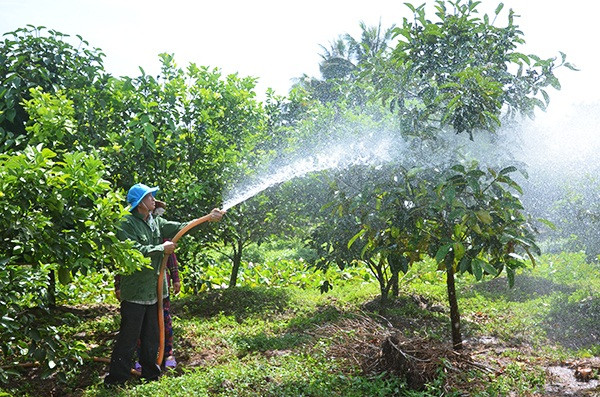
(368, 150)
(555, 150)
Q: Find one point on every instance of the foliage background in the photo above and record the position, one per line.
(74, 138)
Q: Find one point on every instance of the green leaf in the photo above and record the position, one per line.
(473, 184)
(510, 274)
(570, 66)
(477, 269)
(488, 268)
(356, 236)
(34, 334)
(553, 81)
(484, 216)
(531, 257)
(508, 170)
(459, 250)
(516, 56)
(546, 96)
(39, 354)
(547, 223)
(64, 275)
(459, 168)
(411, 7)
(499, 8)
(449, 194)
(442, 252)
(137, 143)
(413, 172)
(465, 264)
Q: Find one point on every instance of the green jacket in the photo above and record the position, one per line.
(140, 286)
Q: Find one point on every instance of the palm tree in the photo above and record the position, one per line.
(373, 43)
(344, 58)
(337, 62)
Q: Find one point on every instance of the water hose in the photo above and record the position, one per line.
(161, 275)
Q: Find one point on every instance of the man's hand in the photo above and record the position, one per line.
(216, 215)
(169, 247)
(118, 294)
(176, 288)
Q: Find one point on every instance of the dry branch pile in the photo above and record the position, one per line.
(382, 349)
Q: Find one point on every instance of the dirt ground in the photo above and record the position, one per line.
(568, 379)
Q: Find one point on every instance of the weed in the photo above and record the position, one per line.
(289, 340)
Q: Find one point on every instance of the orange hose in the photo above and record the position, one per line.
(161, 275)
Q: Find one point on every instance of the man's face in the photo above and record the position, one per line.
(149, 202)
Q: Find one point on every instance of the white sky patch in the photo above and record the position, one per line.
(277, 41)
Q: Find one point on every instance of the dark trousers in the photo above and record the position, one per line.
(168, 328)
(137, 322)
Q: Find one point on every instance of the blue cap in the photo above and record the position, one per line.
(137, 193)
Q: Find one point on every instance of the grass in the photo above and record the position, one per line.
(289, 341)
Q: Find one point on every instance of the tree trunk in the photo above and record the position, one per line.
(383, 300)
(237, 260)
(383, 288)
(397, 263)
(454, 313)
(395, 281)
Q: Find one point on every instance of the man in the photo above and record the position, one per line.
(139, 317)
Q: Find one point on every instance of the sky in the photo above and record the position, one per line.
(277, 41)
